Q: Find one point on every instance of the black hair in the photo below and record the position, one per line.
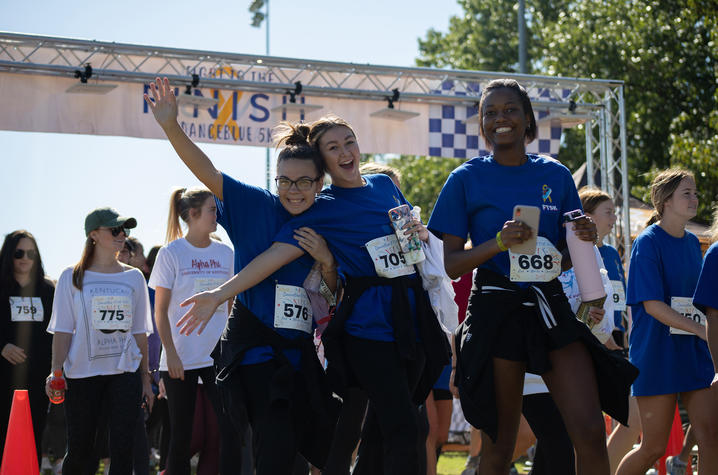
(7, 266)
(532, 129)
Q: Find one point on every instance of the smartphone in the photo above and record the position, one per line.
(528, 215)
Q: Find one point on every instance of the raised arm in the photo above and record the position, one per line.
(164, 107)
(205, 304)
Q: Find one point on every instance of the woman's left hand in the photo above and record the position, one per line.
(586, 229)
(416, 226)
(315, 245)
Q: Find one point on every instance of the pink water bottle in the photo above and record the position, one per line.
(583, 258)
(57, 385)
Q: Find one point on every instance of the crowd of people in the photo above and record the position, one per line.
(316, 343)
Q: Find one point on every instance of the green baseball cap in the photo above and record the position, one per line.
(107, 218)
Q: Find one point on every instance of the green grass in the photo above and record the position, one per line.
(452, 463)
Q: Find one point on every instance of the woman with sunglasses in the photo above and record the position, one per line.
(25, 306)
(384, 338)
(265, 358)
(100, 322)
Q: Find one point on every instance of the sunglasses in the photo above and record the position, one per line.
(117, 230)
(20, 253)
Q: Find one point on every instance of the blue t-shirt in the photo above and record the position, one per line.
(663, 266)
(252, 217)
(614, 267)
(480, 195)
(706, 294)
(348, 218)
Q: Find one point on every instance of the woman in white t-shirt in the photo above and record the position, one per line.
(185, 266)
(99, 303)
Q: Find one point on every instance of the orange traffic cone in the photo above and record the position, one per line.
(674, 447)
(20, 456)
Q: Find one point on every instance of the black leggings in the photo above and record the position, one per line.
(181, 398)
(84, 400)
(389, 383)
(554, 451)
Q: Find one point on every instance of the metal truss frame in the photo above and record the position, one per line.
(598, 99)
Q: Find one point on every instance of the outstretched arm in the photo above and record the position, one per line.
(164, 107)
(205, 304)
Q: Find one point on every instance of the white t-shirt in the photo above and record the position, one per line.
(102, 318)
(186, 270)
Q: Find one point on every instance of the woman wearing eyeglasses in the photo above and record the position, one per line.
(259, 356)
(25, 305)
(100, 321)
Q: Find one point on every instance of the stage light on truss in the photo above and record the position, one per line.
(90, 88)
(293, 105)
(394, 114)
(566, 120)
(189, 99)
(84, 87)
(389, 112)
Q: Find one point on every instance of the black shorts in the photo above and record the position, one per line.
(442, 394)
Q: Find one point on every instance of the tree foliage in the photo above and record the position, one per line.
(664, 50)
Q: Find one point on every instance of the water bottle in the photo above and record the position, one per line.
(57, 385)
(585, 267)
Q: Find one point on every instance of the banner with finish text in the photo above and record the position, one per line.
(35, 103)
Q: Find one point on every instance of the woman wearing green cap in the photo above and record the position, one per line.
(99, 302)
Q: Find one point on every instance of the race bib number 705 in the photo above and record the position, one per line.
(389, 260)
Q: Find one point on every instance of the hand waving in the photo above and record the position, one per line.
(163, 103)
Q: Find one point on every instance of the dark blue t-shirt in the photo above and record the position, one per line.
(663, 266)
(480, 195)
(252, 217)
(707, 289)
(348, 218)
(614, 267)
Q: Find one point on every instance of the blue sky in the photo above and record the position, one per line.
(49, 182)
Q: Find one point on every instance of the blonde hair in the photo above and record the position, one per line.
(713, 230)
(662, 188)
(591, 197)
(182, 201)
(377, 168)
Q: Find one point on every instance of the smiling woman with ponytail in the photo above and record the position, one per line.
(188, 264)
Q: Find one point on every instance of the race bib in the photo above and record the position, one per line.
(542, 266)
(292, 308)
(112, 312)
(619, 296)
(26, 309)
(684, 306)
(389, 260)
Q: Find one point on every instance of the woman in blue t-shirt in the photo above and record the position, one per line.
(384, 338)
(254, 378)
(706, 298)
(519, 318)
(668, 348)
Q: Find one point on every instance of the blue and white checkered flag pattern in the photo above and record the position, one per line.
(451, 135)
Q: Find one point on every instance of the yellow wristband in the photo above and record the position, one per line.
(500, 243)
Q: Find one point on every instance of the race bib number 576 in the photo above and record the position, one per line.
(292, 308)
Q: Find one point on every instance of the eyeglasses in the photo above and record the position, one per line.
(117, 230)
(20, 253)
(303, 184)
